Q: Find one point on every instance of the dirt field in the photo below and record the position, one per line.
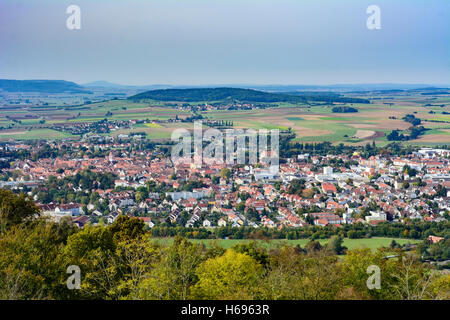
(363, 134)
(434, 138)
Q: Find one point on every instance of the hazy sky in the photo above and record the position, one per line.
(226, 41)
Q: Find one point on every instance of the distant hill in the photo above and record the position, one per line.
(103, 84)
(242, 95)
(110, 85)
(43, 86)
(322, 88)
(267, 88)
(216, 94)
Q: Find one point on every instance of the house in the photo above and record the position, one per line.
(126, 202)
(97, 213)
(376, 216)
(112, 217)
(73, 208)
(434, 239)
(227, 212)
(321, 222)
(206, 223)
(324, 218)
(222, 222)
(174, 216)
(328, 188)
(147, 221)
(81, 221)
(189, 224)
(267, 222)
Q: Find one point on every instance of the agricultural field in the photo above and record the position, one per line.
(371, 243)
(47, 134)
(372, 123)
(311, 123)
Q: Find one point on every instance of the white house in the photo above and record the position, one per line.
(376, 216)
(206, 223)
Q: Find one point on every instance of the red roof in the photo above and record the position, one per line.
(328, 187)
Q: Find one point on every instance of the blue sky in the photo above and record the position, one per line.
(226, 41)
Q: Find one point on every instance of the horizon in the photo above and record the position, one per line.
(91, 83)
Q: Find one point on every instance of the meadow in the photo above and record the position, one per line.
(371, 243)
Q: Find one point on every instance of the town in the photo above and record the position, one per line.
(95, 183)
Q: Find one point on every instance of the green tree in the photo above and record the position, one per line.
(225, 173)
(31, 262)
(230, 276)
(295, 275)
(335, 245)
(174, 274)
(15, 209)
(92, 249)
(126, 228)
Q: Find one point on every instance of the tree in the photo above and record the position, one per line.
(440, 288)
(308, 193)
(253, 250)
(92, 250)
(126, 228)
(295, 275)
(230, 276)
(31, 262)
(285, 270)
(394, 244)
(15, 209)
(335, 245)
(313, 246)
(296, 186)
(175, 274)
(356, 264)
(140, 196)
(225, 173)
(215, 179)
(411, 280)
(136, 260)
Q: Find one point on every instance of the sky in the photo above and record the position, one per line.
(195, 42)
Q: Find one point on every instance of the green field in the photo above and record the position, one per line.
(310, 123)
(372, 243)
(35, 134)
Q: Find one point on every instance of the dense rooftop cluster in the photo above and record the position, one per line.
(117, 179)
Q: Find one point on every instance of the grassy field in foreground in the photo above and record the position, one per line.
(372, 243)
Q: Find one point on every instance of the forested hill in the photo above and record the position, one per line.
(216, 94)
(45, 86)
(242, 95)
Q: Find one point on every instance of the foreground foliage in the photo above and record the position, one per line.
(121, 261)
